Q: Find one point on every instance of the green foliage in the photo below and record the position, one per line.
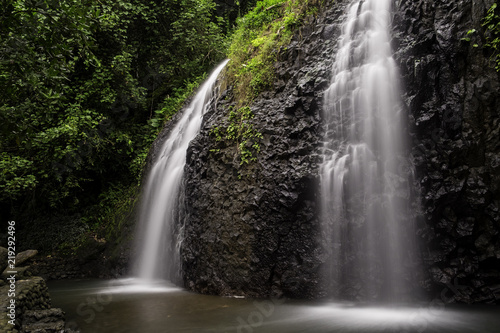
(52, 232)
(112, 211)
(468, 36)
(164, 112)
(194, 39)
(86, 87)
(256, 42)
(239, 131)
(15, 176)
(492, 24)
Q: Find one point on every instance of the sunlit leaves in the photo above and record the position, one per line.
(256, 41)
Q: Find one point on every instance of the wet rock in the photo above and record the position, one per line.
(25, 256)
(30, 294)
(21, 272)
(451, 93)
(46, 321)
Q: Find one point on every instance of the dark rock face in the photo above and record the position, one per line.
(253, 229)
(454, 105)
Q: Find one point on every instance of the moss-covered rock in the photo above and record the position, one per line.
(30, 294)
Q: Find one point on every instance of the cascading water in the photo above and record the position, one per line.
(157, 255)
(364, 180)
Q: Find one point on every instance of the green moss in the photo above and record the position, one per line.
(254, 50)
(256, 42)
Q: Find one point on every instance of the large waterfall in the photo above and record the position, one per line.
(157, 255)
(364, 187)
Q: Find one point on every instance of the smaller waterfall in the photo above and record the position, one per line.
(157, 254)
(364, 189)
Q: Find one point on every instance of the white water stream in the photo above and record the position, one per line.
(157, 253)
(364, 188)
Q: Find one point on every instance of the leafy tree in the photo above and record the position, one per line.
(86, 87)
(41, 41)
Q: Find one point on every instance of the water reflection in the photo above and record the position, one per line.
(121, 306)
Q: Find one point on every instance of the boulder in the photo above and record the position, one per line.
(25, 256)
(48, 320)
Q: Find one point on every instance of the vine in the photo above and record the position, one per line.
(492, 34)
(492, 24)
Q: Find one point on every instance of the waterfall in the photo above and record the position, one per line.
(157, 247)
(365, 194)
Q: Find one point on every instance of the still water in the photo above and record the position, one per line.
(99, 306)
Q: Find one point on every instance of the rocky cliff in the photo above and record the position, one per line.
(452, 96)
(253, 229)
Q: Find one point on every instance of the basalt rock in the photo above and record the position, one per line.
(454, 106)
(252, 229)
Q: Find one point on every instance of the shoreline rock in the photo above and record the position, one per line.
(33, 312)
